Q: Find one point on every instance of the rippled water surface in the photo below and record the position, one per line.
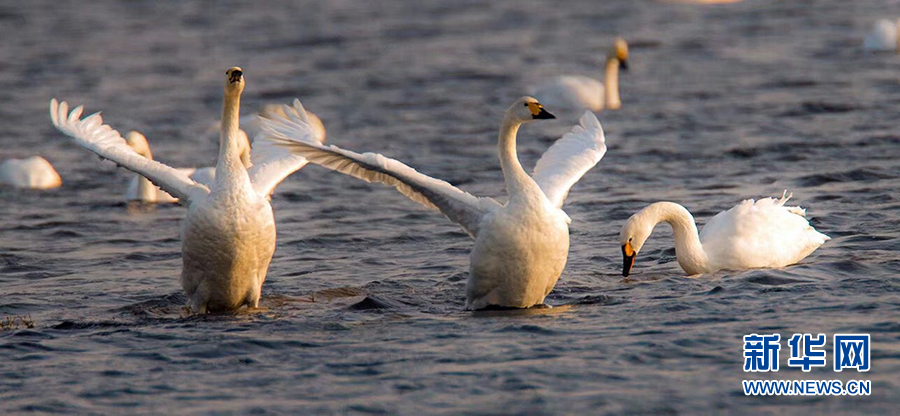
(364, 299)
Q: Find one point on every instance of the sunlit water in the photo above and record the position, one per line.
(364, 299)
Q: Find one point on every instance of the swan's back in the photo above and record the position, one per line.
(763, 233)
(882, 38)
(31, 173)
(571, 92)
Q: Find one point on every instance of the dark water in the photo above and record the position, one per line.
(722, 103)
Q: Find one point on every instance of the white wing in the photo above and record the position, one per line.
(107, 143)
(461, 207)
(273, 163)
(564, 163)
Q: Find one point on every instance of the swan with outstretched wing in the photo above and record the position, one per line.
(521, 247)
(229, 231)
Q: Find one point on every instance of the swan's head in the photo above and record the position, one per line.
(528, 109)
(234, 80)
(138, 142)
(635, 232)
(619, 52)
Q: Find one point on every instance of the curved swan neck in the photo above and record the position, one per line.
(518, 182)
(230, 164)
(611, 99)
(688, 248)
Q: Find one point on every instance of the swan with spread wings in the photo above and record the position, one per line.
(229, 231)
(521, 247)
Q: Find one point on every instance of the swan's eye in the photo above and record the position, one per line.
(629, 239)
(535, 108)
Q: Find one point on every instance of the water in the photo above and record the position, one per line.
(365, 294)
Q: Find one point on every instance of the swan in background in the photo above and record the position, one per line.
(33, 172)
(751, 235)
(520, 247)
(579, 93)
(140, 189)
(229, 231)
(883, 37)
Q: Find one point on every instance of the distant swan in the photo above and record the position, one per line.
(520, 247)
(140, 189)
(883, 37)
(581, 93)
(229, 232)
(751, 235)
(30, 173)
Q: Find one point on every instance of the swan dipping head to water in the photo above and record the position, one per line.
(751, 235)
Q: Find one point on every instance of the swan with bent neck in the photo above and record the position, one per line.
(142, 190)
(228, 235)
(521, 247)
(576, 92)
(761, 234)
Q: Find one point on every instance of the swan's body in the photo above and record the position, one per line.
(520, 247)
(761, 234)
(229, 231)
(33, 172)
(883, 37)
(580, 93)
(142, 190)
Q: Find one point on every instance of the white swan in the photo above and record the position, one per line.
(576, 92)
(229, 232)
(883, 37)
(33, 172)
(521, 247)
(751, 235)
(140, 189)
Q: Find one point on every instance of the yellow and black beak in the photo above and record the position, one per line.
(628, 255)
(538, 112)
(623, 64)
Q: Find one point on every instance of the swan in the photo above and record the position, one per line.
(228, 235)
(520, 247)
(751, 235)
(33, 172)
(583, 93)
(883, 37)
(140, 189)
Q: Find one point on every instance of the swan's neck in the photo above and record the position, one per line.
(688, 248)
(146, 191)
(230, 168)
(519, 184)
(611, 89)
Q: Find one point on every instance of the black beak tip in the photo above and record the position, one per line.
(623, 65)
(544, 115)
